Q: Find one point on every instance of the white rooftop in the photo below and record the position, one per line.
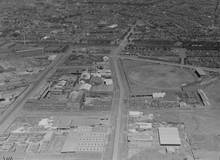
(169, 136)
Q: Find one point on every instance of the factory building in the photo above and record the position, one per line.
(169, 136)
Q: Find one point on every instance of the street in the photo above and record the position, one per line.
(9, 116)
(121, 104)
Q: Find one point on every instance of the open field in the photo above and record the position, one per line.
(212, 91)
(154, 76)
(82, 60)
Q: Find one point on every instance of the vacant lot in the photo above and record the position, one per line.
(212, 91)
(82, 60)
(156, 76)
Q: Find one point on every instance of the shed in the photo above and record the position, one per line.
(144, 125)
(169, 136)
(135, 113)
(200, 72)
(108, 82)
(159, 94)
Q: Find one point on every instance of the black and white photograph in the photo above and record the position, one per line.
(109, 79)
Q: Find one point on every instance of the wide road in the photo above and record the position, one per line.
(120, 122)
(11, 113)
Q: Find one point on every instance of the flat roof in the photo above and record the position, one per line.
(200, 71)
(169, 136)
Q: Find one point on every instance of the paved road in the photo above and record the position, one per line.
(12, 112)
(121, 118)
(121, 121)
(123, 96)
(119, 113)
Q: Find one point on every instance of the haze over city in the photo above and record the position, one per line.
(109, 80)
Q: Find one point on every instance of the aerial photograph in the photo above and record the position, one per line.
(109, 79)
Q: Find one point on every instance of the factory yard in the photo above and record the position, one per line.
(68, 115)
(43, 135)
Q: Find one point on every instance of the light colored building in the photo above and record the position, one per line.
(108, 82)
(143, 125)
(135, 113)
(200, 72)
(105, 58)
(169, 136)
(159, 94)
(105, 72)
(85, 86)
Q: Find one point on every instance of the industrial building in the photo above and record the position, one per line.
(169, 136)
(200, 72)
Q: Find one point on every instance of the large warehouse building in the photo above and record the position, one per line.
(169, 136)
